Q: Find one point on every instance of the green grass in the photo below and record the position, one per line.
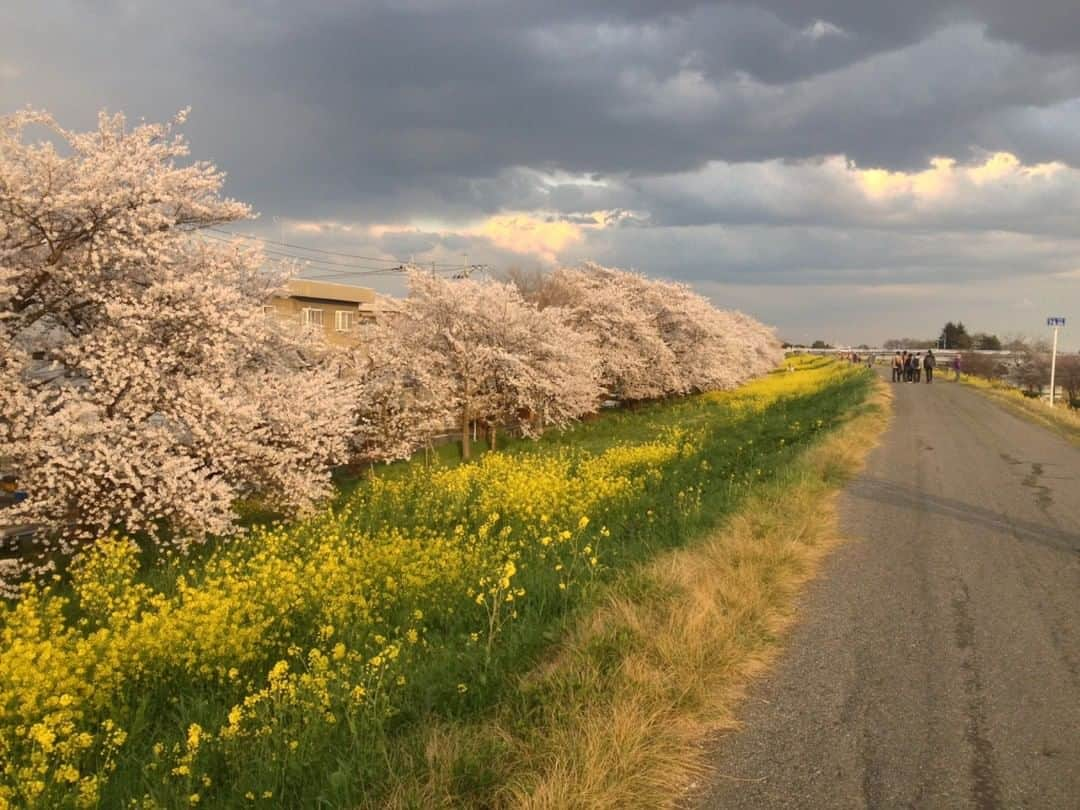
(365, 756)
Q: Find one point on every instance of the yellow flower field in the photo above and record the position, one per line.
(284, 667)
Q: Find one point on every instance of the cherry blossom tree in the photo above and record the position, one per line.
(656, 338)
(712, 348)
(503, 362)
(604, 305)
(400, 400)
(548, 373)
(762, 350)
(690, 328)
(141, 384)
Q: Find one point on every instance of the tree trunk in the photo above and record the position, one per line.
(466, 392)
(492, 430)
(465, 449)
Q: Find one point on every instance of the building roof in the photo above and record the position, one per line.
(326, 291)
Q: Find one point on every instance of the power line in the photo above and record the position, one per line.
(236, 235)
(309, 259)
(332, 274)
(390, 271)
(330, 269)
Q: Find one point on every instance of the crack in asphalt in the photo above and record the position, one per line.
(984, 780)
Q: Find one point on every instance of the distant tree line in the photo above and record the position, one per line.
(954, 336)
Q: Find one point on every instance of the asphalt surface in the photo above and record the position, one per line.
(936, 660)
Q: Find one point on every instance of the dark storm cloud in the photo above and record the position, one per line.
(396, 107)
(452, 93)
(1040, 26)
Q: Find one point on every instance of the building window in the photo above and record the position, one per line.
(310, 316)
(344, 321)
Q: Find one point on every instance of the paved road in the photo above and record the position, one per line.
(936, 663)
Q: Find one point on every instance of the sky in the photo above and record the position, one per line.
(845, 170)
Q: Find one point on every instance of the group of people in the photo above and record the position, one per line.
(907, 366)
(914, 366)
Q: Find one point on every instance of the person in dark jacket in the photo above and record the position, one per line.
(928, 364)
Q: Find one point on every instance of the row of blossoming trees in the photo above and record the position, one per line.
(142, 387)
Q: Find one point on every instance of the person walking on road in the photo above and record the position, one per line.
(916, 368)
(897, 367)
(956, 366)
(928, 364)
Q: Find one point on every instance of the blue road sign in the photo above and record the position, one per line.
(1055, 321)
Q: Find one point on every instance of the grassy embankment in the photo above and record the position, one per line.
(532, 628)
(616, 714)
(1061, 418)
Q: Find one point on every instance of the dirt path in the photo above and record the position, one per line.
(936, 662)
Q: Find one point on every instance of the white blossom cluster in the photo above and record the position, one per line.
(462, 352)
(659, 338)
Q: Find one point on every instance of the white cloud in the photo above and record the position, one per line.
(819, 29)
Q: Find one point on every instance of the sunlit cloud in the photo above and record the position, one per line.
(543, 235)
(946, 177)
(527, 234)
(317, 227)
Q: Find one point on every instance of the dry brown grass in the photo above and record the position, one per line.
(1061, 418)
(617, 717)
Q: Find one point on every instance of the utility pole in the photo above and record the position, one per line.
(1057, 323)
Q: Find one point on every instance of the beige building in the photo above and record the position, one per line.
(335, 309)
